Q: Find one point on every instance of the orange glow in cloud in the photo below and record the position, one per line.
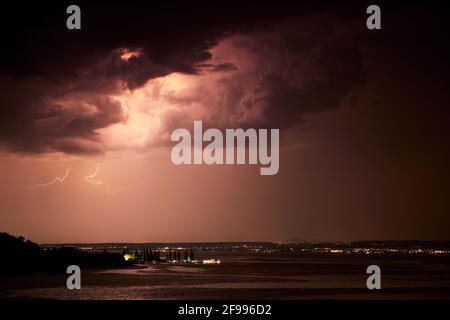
(126, 54)
(176, 100)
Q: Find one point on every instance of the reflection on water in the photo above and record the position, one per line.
(186, 269)
(130, 271)
(144, 270)
(246, 277)
(156, 292)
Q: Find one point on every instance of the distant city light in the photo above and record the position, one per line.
(127, 257)
(211, 261)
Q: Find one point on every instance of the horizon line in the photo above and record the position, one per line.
(236, 241)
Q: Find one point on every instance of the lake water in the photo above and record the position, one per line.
(249, 276)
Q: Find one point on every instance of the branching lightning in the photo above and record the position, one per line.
(44, 185)
(92, 180)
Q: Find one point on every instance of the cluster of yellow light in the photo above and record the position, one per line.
(376, 251)
(127, 256)
(211, 261)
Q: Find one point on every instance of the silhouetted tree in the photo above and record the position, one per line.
(24, 256)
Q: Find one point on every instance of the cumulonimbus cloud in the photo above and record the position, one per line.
(61, 92)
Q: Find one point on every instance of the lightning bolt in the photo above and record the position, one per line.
(44, 185)
(92, 180)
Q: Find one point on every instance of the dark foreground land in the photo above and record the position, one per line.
(247, 275)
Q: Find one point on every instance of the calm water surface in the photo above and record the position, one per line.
(248, 276)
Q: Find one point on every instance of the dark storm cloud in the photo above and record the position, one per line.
(55, 82)
(34, 122)
(279, 76)
(324, 65)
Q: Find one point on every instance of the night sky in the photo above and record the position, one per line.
(363, 117)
